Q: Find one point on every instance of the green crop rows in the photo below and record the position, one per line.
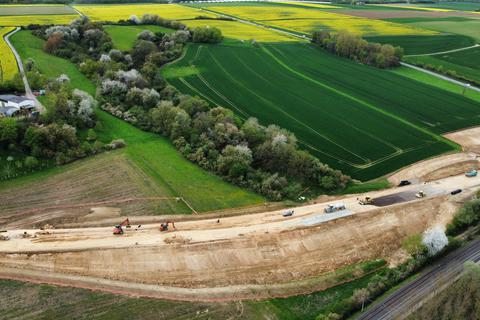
(364, 121)
(465, 63)
(426, 44)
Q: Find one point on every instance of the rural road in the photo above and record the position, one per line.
(28, 91)
(440, 76)
(409, 297)
(442, 52)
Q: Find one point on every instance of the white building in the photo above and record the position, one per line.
(12, 105)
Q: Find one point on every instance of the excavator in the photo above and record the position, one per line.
(164, 226)
(118, 229)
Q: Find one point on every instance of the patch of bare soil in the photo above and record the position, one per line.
(100, 181)
(469, 139)
(231, 263)
(436, 168)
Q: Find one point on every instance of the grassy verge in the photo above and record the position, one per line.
(368, 186)
(436, 82)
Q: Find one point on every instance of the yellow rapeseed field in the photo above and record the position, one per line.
(12, 21)
(8, 64)
(242, 31)
(118, 12)
(305, 20)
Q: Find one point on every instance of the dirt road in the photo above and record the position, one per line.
(237, 257)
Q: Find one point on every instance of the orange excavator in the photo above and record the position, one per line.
(118, 229)
(164, 226)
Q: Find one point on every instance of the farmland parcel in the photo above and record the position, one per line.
(123, 12)
(307, 20)
(366, 127)
(8, 64)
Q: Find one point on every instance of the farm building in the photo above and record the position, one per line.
(12, 105)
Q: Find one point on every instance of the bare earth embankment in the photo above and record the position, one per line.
(221, 258)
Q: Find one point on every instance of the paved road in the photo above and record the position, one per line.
(440, 76)
(403, 301)
(28, 91)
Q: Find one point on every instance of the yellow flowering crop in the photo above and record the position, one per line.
(305, 20)
(36, 19)
(122, 12)
(8, 64)
(242, 31)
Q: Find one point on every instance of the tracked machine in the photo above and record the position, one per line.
(118, 229)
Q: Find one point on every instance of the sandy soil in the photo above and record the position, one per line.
(436, 168)
(469, 139)
(238, 257)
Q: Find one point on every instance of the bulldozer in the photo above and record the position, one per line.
(365, 201)
(164, 226)
(118, 229)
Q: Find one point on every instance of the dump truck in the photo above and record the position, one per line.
(472, 173)
(365, 201)
(334, 207)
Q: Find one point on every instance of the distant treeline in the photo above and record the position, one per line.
(353, 47)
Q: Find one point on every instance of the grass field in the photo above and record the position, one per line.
(307, 20)
(118, 12)
(458, 6)
(366, 128)
(123, 37)
(152, 153)
(29, 46)
(426, 44)
(462, 26)
(465, 63)
(8, 64)
(28, 10)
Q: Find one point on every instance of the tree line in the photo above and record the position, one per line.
(130, 86)
(352, 46)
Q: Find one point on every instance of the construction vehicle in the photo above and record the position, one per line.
(472, 173)
(420, 194)
(404, 183)
(288, 213)
(118, 229)
(334, 207)
(365, 201)
(164, 226)
(456, 191)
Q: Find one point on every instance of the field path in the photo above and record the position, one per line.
(464, 84)
(442, 52)
(28, 91)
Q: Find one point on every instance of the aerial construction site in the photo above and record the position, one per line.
(262, 252)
